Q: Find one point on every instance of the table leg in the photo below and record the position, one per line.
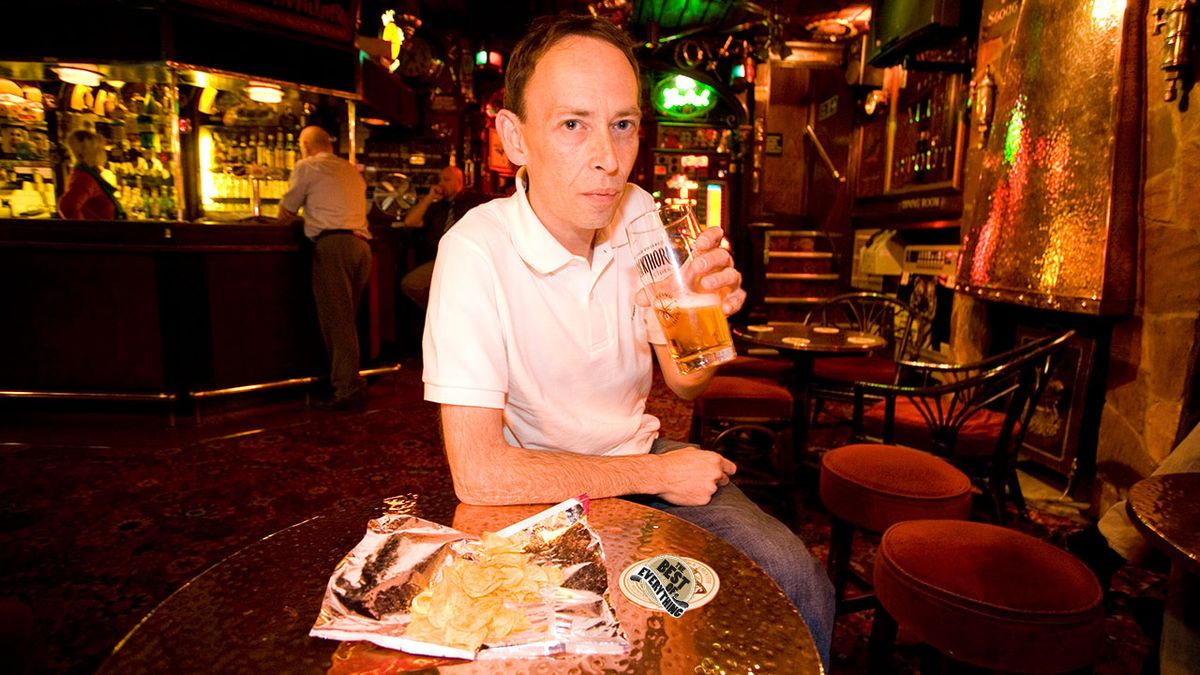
(801, 376)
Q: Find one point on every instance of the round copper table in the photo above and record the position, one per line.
(1166, 510)
(802, 343)
(252, 612)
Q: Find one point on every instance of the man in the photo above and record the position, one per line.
(538, 342)
(437, 211)
(333, 196)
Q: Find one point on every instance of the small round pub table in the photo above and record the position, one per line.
(803, 343)
(252, 612)
(1166, 510)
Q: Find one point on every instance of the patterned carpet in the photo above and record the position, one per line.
(94, 535)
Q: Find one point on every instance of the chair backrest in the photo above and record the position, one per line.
(906, 330)
(948, 396)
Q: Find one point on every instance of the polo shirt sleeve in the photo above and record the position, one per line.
(293, 199)
(464, 351)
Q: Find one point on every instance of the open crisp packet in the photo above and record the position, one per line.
(535, 588)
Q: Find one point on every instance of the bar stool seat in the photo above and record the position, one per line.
(747, 398)
(757, 366)
(749, 420)
(872, 487)
(870, 368)
(987, 596)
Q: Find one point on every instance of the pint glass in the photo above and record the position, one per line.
(697, 333)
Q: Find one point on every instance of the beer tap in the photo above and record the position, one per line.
(1176, 57)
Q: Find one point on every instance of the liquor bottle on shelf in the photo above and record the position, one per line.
(289, 154)
(167, 206)
(153, 204)
(277, 151)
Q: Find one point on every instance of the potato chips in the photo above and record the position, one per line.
(478, 596)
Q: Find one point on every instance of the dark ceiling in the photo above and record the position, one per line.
(506, 21)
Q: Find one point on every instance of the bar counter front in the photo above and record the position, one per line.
(154, 308)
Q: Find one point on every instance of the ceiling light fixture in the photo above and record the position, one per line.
(79, 75)
(264, 93)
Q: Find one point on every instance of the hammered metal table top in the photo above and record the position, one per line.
(1166, 509)
(252, 612)
(805, 339)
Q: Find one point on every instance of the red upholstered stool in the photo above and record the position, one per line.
(873, 487)
(757, 366)
(749, 419)
(870, 368)
(987, 596)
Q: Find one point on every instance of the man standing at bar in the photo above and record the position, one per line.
(437, 212)
(538, 343)
(334, 199)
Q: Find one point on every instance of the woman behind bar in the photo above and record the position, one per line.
(88, 196)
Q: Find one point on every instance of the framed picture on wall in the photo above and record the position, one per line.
(1053, 435)
(498, 161)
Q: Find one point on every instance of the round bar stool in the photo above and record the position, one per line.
(987, 596)
(872, 487)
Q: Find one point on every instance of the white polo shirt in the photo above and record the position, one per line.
(517, 322)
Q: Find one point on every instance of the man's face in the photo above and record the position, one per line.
(451, 183)
(580, 133)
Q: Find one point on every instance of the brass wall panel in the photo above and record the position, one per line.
(1054, 219)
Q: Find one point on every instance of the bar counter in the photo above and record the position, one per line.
(156, 308)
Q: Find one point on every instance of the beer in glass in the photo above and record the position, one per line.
(663, 241)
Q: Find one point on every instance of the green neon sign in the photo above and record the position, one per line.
(681, 96)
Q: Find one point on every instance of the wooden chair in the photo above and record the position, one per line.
(904, 329)
(974, 415)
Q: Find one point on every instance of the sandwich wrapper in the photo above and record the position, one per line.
(370, 592)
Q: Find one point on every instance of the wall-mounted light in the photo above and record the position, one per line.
(208, 101)
(741, 74)
(985, 104)
(486, 57)
(876, 99)
(264, 93)
(1176, 52)
(683, 97)
(79, 75)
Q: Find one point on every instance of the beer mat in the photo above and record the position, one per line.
(828, 330)
(864, 339)
(707, 585)
(760, 328)
(798, 341)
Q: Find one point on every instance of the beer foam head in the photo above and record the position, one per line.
(697, 300)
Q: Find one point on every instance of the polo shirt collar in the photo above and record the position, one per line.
(539, 249)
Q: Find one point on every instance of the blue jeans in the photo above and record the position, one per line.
(740, 523)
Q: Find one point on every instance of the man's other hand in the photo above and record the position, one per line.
(691, 476)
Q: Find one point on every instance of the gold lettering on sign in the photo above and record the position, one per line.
(922, 203)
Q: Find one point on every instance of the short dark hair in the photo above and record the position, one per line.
(548, 31)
